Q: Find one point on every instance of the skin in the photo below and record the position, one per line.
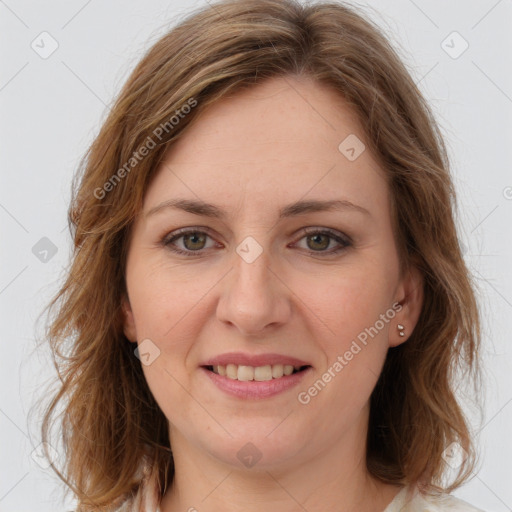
(252, 154)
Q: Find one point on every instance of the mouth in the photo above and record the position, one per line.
(255, 376)
(245, 373)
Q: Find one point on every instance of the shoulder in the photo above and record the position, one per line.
(445, 502)
(409, 499)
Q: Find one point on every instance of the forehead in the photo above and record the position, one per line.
(274, 143)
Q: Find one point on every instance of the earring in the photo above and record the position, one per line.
(400, 328)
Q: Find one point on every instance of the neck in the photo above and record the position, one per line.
(335, 480)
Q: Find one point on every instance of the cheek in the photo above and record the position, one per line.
(163, 297)
(350, 303)
(354, 343)
(166, 311)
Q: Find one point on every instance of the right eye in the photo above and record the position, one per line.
(192, 241)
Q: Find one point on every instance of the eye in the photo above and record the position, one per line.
(319, 240)
(191, 241)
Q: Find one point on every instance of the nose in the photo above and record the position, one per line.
(253, 299)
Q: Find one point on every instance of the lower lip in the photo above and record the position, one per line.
(255, 389)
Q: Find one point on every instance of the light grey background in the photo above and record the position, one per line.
(52, 107)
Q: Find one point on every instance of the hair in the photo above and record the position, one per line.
(114, 433)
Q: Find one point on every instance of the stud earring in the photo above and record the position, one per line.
(400, 328)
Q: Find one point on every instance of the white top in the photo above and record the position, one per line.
(409, 499)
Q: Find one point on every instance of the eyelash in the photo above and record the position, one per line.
(344, 240)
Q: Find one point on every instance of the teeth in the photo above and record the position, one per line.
(258, 373)
(277, 371)
(245, 373)
(263, 373)
(231, 371)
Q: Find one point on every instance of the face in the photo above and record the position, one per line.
(265, 247)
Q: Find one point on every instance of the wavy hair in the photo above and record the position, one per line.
(114, 434)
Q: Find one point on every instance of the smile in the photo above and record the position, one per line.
(257, 373)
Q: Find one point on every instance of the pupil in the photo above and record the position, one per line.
(316, 237)
(195, 238)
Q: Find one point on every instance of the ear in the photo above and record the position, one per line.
(410, 298)
(129, 328)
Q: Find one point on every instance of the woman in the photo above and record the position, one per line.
(267, 300)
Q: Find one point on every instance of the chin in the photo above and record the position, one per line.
(261, 445)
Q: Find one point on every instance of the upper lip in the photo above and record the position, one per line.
(239, 358)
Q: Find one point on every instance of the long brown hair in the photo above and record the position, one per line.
(113, 432)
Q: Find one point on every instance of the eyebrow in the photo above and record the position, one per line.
(292, 210)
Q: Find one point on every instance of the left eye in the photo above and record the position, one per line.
(320, 241)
